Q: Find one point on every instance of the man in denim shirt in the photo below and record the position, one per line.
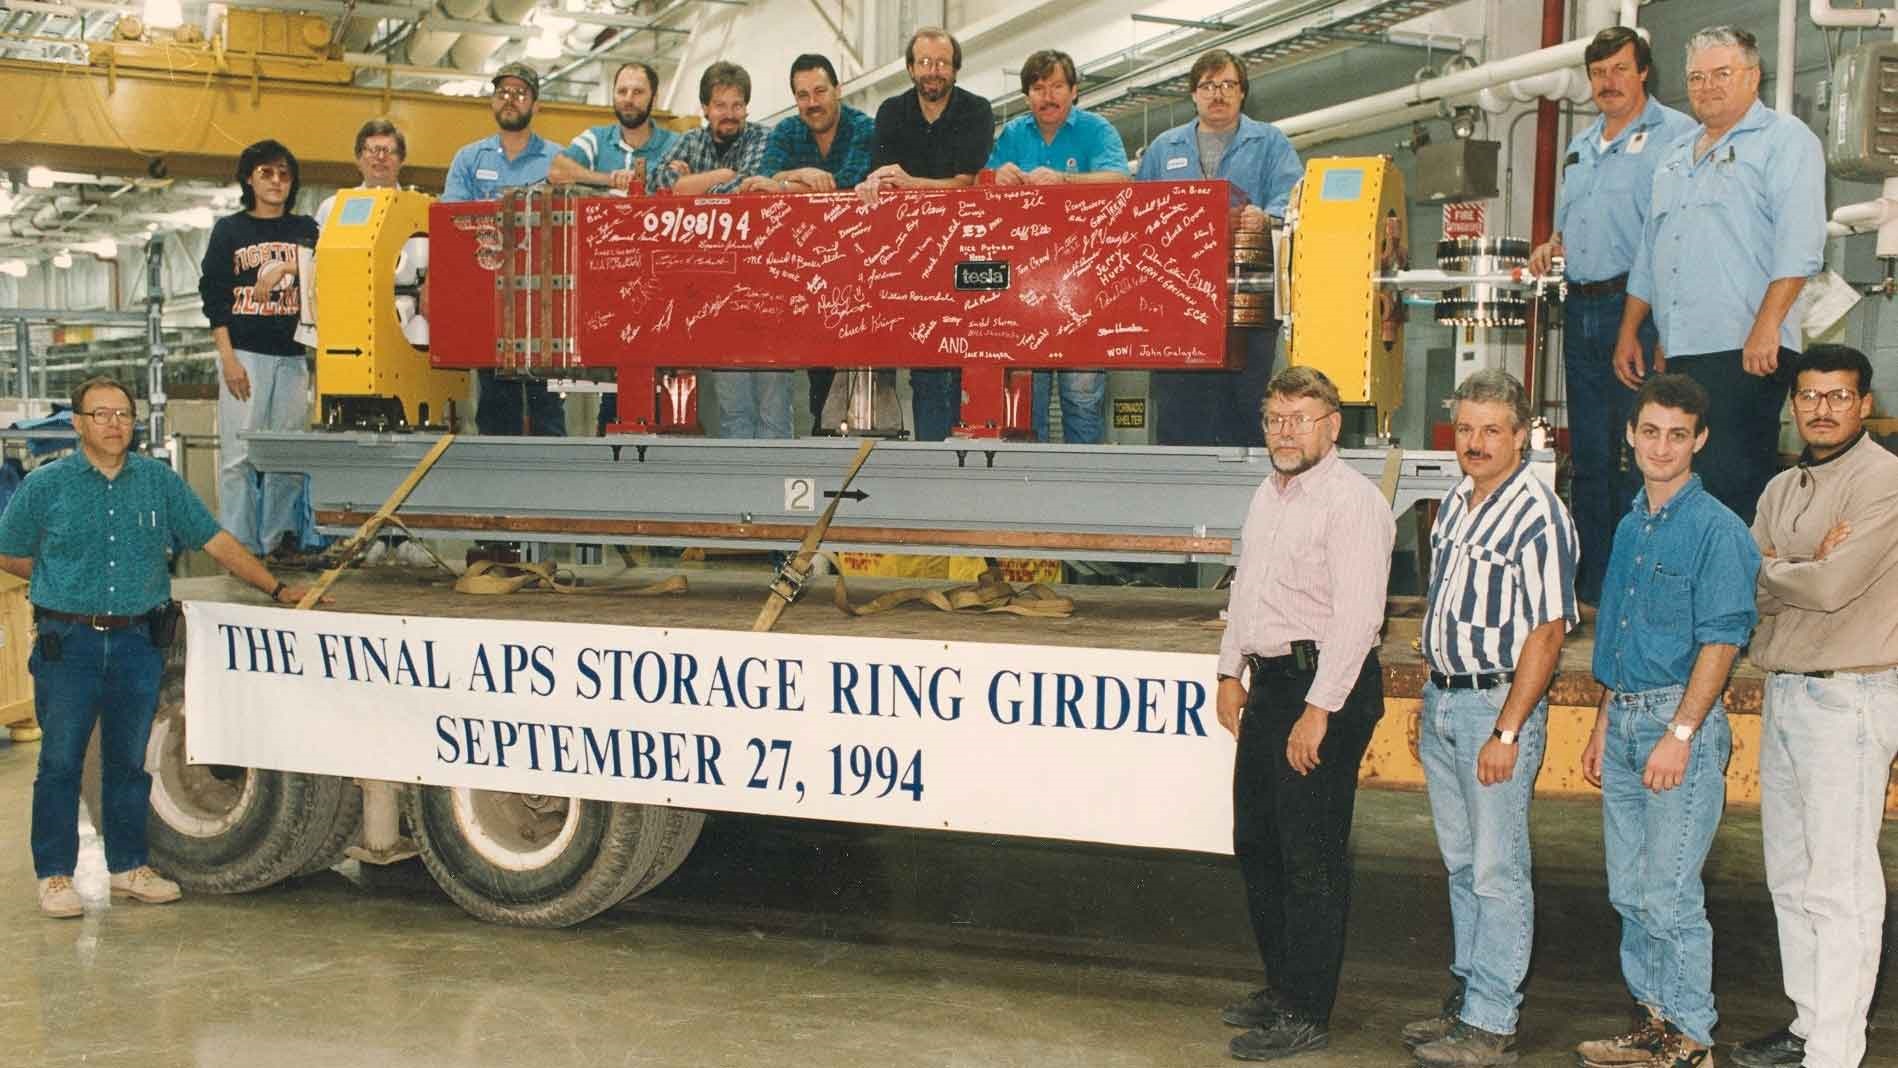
(1676, 606)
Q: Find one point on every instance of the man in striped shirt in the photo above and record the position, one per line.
(1502, 596)
(1306, 608)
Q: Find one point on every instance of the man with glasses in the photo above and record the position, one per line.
(1736, 225)
(935, 135)
(1828, 638)
(619, 153)
(248, 282)
(380, 152)
(1607, 184)
(1306, 606)
(513, 156)
(93, 533)
(1216, 408)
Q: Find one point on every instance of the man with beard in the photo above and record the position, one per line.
(514, 156)
(717, 158)
(823, 148)
(618, 154)
(936, 135)
(1502, 597)
(1306, 607)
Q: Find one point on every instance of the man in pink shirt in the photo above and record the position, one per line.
(1301, 689)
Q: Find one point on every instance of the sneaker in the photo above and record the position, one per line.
(59, 899)
(1640, 1046)
(1467, 1046)
(1290, 1034)
(1424, 1031)
(1261, 1008)
(1781, 1049)
(143, 883)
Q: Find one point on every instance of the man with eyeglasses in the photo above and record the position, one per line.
(1607, 185)
(1057, 143)
(1736, 225)
(513, 156)
(1216, 408)
(380, 152)
(1300, 688)
(935, 135)
(1828, 638)
(93, 534)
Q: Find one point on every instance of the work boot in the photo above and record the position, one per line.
(59, 899)
(143, 883)
(1291, 1033)
(1422, 1031)
(1261, 1008)
(1467, 1046)
(1679, 1051)
(1640, 1046)
(1781, 1049)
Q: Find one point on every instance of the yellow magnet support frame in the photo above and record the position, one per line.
(1350, 228)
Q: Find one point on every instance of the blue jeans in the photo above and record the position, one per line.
(936, 402)
(1826, 747)
(754, 404)
(1216, 407)
(1083, 396)
(259, 509)
(1656, 845)
(514, 407)
(1603, 479)
(1742, 452)
(1483, 834)
(109, 677)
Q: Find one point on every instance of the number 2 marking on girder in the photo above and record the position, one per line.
(800, 495)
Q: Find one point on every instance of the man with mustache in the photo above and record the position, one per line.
(935, 135)
(1607, 181)
(1737, 224)
(1828, 638)
(1502, 597)
(1057, 143)
(1306, 607)
(619, 153)
(514, 156)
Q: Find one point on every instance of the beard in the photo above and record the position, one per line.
(513, 122)
(933, 89)
(632, 119)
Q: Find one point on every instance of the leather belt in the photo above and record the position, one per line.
(1276, 665)
(1470, 682)
(1617, 284)
(95, 621)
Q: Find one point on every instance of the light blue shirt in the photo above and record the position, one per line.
(1606, 191)
(1260, 162)
(1725, 226)
(1085, 143)
(481, 170)
(604, 148)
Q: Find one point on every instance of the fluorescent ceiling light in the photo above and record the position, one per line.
(546, 45)
(463, 87)
(62, 259)
(47, 178)
(13, 268)
(164, 14)
(103, 247)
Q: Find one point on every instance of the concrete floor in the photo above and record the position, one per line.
(802, 943)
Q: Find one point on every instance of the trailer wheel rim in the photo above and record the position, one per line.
(198, 800)
(515, 832)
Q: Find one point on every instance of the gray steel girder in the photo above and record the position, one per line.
(1104, 494)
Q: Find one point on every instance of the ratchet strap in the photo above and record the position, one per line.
(990, 593)
(489, 578)
(797, 570)
(347, 551)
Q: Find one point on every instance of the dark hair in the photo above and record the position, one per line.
(1676, 391)
(1301, 381)
(255, 156)
(1212, 61)
(721, 75)
(1043, 65)
(1614, 39)
(100, 382)
(652, 76)
(382, 128)
(937, 33)
(1823, 358)
(813, 61)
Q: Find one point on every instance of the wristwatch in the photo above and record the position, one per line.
(1503, 736)
(1681, 731)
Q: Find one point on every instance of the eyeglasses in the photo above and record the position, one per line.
(109, 415)
(1701, 79)
(1838, 400)
(270, 174)
(1222, 87)
(1295, 424)
(934, 64)
(509, 92)
(378, 152)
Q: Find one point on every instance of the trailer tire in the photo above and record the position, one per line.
(681, 833)
(343, 821)
(532, 860)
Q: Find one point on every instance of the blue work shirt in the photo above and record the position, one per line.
(1085, 143)
(792, 146)
(1725, 226)
(481, 170)
(99, 546)
(1678, 579)
(604, 148)
(1603, 212)
(1260, 162)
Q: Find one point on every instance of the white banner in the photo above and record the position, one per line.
(1093, 745)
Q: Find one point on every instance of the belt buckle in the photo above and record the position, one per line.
(93, 622)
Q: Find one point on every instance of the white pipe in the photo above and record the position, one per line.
(1784, 64)
(1568, 84)
(1880, 214)
(1462, 83)
(1824, 14)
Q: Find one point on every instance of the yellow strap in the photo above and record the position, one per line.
(989, 594)
(1393, 470)
(791, 579)
(367, 532)
(489, 579)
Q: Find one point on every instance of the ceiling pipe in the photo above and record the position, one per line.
(1824, 14)
(1786, 59)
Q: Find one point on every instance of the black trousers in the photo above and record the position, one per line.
(1292, 832)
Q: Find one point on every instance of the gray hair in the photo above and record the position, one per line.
(1496, 387)
(1726, 37)
(1301, 381)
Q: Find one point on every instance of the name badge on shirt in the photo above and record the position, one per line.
(1074, 165)
(486, 175)
(1177, 163)
(1638, 142)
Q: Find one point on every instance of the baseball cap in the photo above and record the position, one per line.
(523, 72)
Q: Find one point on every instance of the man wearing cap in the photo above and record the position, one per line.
(514, 156)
